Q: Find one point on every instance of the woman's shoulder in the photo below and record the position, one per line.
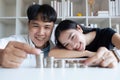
(108, 30)
(103, 32)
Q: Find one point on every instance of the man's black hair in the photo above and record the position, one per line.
(43, 12)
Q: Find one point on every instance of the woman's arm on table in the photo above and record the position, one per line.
(1, 56)
(116, 40)
(103, 57)
(64, 53)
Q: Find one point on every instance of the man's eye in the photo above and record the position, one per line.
(35, 26)
(47, 27)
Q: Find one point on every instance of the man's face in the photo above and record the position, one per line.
(40, 32)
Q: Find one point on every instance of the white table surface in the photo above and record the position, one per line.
(60, 74)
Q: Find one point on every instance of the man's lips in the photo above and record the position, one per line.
(40, 39)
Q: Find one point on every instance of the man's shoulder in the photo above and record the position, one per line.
(20, 38)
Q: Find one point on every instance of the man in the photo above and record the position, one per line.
(14, 49)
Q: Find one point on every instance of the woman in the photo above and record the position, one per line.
(74, 40)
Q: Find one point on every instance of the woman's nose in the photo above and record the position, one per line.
(72, 44)
(75, 46)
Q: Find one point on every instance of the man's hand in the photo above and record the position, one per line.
(14, 54)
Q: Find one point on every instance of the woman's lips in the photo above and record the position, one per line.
(80, 47)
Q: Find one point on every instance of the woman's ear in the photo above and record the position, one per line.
(79, 28)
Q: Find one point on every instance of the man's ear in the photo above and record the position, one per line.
(28, 24)
(79, 28)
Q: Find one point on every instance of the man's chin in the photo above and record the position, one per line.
(39, 45)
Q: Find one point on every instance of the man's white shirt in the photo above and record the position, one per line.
(30, 61)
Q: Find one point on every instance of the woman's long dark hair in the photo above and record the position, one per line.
(65, 25)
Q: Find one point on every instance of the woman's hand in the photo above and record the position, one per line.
(103, 57)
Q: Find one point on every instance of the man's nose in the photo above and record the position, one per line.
(41, 31)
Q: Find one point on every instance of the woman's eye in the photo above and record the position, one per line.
(72, 37)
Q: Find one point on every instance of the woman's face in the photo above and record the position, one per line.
(73, 39)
